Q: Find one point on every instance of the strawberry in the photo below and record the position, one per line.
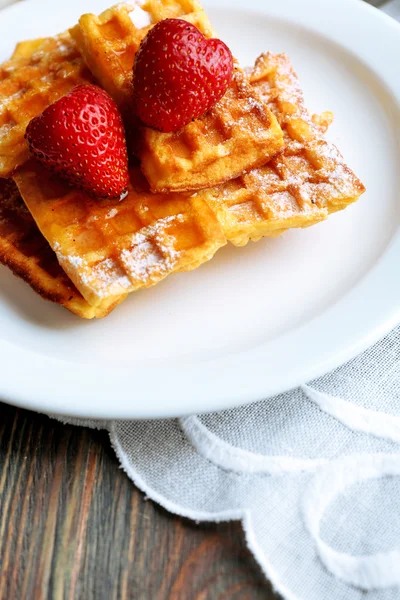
(81, 137)
(178, 75)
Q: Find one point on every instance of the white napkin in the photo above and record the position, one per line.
(4, 3)
(313, 474)
(392, 8)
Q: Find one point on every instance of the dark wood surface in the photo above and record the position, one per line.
(73, 526)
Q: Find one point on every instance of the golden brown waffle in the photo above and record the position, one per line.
(275, 79)
(109, 42)
(170, 9)
(26, 48)
(24, 250)
(239, 133)
(39, 73)
(301, 186)
(110, 248)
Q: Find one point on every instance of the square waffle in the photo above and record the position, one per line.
(109, 42)
(110, 248)
(39, 73)
(298, 188)
(239, 133)
(25, 251)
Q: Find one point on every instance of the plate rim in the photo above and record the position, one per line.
(188, 386)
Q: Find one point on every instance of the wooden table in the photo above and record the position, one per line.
(73, 526)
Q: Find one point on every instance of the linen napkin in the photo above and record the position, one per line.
(313, 474)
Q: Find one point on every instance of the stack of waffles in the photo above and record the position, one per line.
(256, 165)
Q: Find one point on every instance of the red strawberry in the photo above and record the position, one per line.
(81, 137)
(179, 74)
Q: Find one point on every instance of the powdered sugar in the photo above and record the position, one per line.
(74, 261)
(112, 213)
(108, 274)
(149, 255)
(141, 261)
(279, 88)
(139, 17)
(152, 252)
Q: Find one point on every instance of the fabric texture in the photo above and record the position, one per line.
(313, 474)
(392, 8)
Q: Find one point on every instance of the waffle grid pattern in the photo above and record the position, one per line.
(108, 42)
(298, 188)
(29, 82)
(109, 250)
(25, 251)
(239, 133)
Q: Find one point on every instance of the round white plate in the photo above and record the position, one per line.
(254, 321)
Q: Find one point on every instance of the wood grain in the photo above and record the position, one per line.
(73, 526)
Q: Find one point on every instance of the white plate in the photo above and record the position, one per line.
(254, 321)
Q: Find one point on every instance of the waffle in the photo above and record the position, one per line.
(239, 133)
(109, 249)
(26, 48)
(298, 188)
(25, 251)
(40, 72)
(109, 42)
